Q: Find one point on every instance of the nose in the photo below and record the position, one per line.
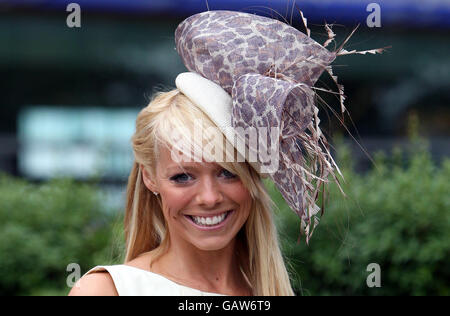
(209, 193)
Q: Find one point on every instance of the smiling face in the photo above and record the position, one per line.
(204, 204)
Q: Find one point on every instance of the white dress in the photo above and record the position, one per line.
(131, 281)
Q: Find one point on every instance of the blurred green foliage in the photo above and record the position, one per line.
(396, 215)
(44, 227)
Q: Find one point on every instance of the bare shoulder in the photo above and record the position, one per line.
(141, 262)
(95, 284)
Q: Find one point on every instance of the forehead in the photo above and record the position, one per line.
(166, 162)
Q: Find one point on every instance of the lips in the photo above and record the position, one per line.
(209, 222)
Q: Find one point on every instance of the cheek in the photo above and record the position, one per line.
(241, 195)
(174, 201)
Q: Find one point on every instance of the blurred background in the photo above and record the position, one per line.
(69, 97)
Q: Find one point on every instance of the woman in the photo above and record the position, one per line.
(205, 227)
(168, 235)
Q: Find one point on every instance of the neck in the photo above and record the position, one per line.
(211, 271)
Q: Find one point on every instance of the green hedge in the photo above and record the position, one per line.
(44, 227)
(397, 215)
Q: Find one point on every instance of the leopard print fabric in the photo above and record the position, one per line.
(268, 67)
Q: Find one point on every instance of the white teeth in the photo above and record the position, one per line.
(209, 221)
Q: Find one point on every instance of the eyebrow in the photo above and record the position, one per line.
(174, 168)
(192, 168)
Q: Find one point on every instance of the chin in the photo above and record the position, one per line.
(212, 244)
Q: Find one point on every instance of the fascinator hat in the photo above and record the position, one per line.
(248, 71)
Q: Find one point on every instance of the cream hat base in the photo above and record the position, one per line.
(216, 103)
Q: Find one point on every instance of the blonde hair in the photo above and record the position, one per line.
(258, 250)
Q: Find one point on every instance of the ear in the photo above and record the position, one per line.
(146, 178)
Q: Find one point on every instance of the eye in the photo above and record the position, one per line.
(180, 178)
(228, 174)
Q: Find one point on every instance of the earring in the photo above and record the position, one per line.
(155, 193)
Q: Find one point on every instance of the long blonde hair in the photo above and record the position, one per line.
(258, 250)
